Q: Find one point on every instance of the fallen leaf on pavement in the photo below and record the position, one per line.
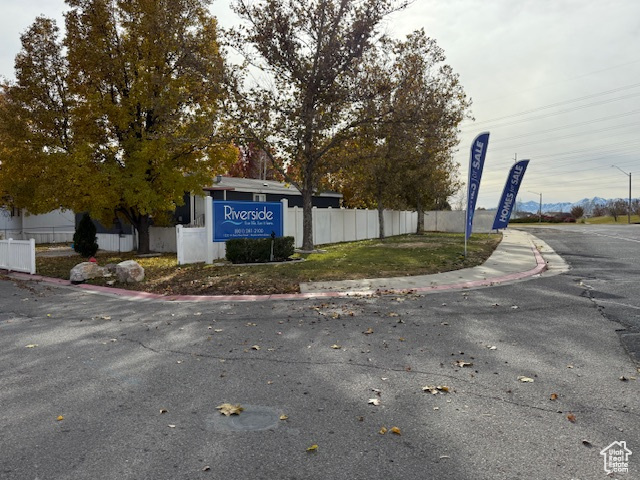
(524, 379)
(393, 314)
(435, 389)
(460, 363)
(554, 396)
(336, 347)
(396, 430)
(368, 331)
(283, 417)
(229, 409)
(571, 417)
(313, 448)
(60, 418)
(374, 401)
(383, 430)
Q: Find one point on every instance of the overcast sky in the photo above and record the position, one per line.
(553, 81)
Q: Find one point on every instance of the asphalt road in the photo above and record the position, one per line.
(605, 261)
(84, 379)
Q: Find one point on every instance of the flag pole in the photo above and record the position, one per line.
(476, 163)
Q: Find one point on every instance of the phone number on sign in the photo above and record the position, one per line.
(248, 231)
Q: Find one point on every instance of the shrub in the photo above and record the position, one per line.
(577, 212)
(258, 250)
(84, 240)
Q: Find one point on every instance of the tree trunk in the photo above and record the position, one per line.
(420, 210)
(381, 220)
(307, 215)
(143, 234)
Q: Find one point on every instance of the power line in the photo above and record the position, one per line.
(553, 114)
(572, 125)
(553, 105)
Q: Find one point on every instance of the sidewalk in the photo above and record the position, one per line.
(519, 256)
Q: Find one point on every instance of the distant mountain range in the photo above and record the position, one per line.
(586, 203)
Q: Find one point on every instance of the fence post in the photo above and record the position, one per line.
(330, 223)
(208, 224)
(32, 254)
(9, 254)
(179, 244)
(285, 219)
(314, 222)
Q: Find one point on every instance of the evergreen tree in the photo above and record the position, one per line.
(84, 240)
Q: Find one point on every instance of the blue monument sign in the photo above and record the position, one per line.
(246, 220)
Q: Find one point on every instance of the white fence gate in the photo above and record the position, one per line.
(18, 255)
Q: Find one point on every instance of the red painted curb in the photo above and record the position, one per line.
(540, 267)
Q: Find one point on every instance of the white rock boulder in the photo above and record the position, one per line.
(129, 271)
(84, 271)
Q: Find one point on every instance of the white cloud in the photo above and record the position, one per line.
(512, 57)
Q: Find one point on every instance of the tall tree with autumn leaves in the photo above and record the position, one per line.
(313, 52)
(118, 118)
(404, 159)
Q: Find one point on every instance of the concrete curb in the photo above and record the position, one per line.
(540, 267)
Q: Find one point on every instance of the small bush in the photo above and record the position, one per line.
(258, 250)
(84, 240)
(545, 218)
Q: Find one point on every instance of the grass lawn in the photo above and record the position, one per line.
(622, 220)
(396, 256)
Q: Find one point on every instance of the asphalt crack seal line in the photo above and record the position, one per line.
(431, 375)
(629, 339)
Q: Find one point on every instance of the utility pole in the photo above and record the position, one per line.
(540, 207)
(629, 206)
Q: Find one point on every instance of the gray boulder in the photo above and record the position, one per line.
(129, 271)
(84, 271)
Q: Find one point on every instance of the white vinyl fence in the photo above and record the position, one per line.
(18, 255)
(330, 225)
(454, 220)
(161, 239)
